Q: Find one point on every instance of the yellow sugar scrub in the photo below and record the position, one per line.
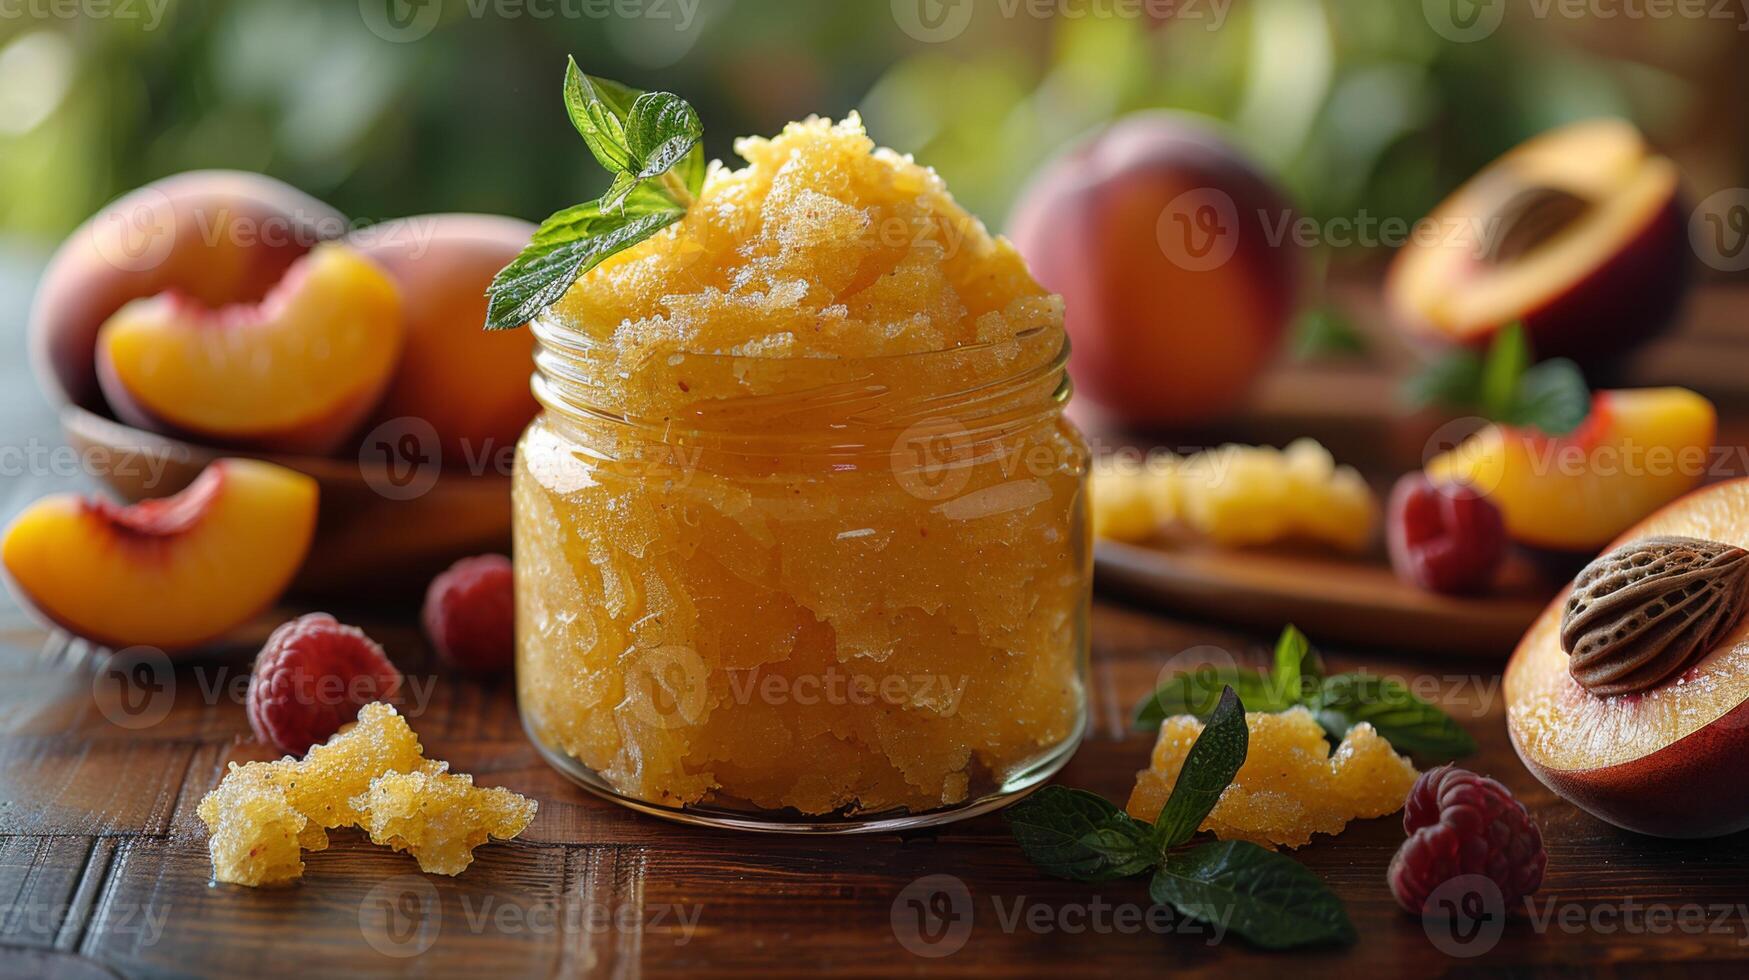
(374, 775)
(1237, 496)
(1291, 785)
(801, 534)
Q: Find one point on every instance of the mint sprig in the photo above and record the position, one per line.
(1339, 702)
(1505, 385)
(651, 142)
(1268, 898)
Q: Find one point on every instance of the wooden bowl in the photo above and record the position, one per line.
(388, 523)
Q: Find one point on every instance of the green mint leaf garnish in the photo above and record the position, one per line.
(1505, 386)
(651, 142)
(1552, 396)
(556, 258)
(1295, 663)
(1508, 356)
(1265, 897)
(598, 108)
(1074, 834)
(1268, 898)
(1213, 761)
(1410, 724)
(1198, 691)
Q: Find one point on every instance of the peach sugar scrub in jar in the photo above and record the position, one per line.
(800, 535)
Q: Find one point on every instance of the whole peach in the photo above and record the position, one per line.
(471, 385)
(1176, 260)
(218, 236)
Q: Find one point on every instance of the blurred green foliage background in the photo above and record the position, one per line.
(1355, 104)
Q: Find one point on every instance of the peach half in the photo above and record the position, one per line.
(1578, 233)
(1667, 761)
(295, 373)
(1638, 450)
(171, 573)
(220, 236)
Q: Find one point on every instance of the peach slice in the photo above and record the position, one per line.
(170, 573)
(296, 373)
(1638, 450)
(222, 236)
(1578, 233)
(1667, 761)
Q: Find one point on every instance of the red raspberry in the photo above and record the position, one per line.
(1444, 538)
(1460, 823)
(312, 677)
(470, 614)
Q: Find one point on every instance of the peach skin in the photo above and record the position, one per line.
(471, 384)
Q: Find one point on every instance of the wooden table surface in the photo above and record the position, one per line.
(104, 871)
(103, 863)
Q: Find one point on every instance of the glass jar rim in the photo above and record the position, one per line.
(975, 405)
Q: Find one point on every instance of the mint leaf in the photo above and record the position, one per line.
(599, 109)
(1508, 356)
(661, 131)
(1505, 386)
(1209, 767)
(1295, 663)
(1453, 381)
(652, 144)
(1553, 397)
(557, 257)
(1198, 691)
(1411, 725)
(1074, 834)
(1269, 899)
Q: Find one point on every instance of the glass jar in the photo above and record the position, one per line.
(813, 594)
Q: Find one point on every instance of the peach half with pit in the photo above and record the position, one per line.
(217, 236)
(1637, 450)
(1580, 234)
(171, 573)
(470, 384)
(296, 372)
(1667, 761)
(1162, 239)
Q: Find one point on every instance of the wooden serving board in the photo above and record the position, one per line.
(1354, 601)
(1353, 407)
